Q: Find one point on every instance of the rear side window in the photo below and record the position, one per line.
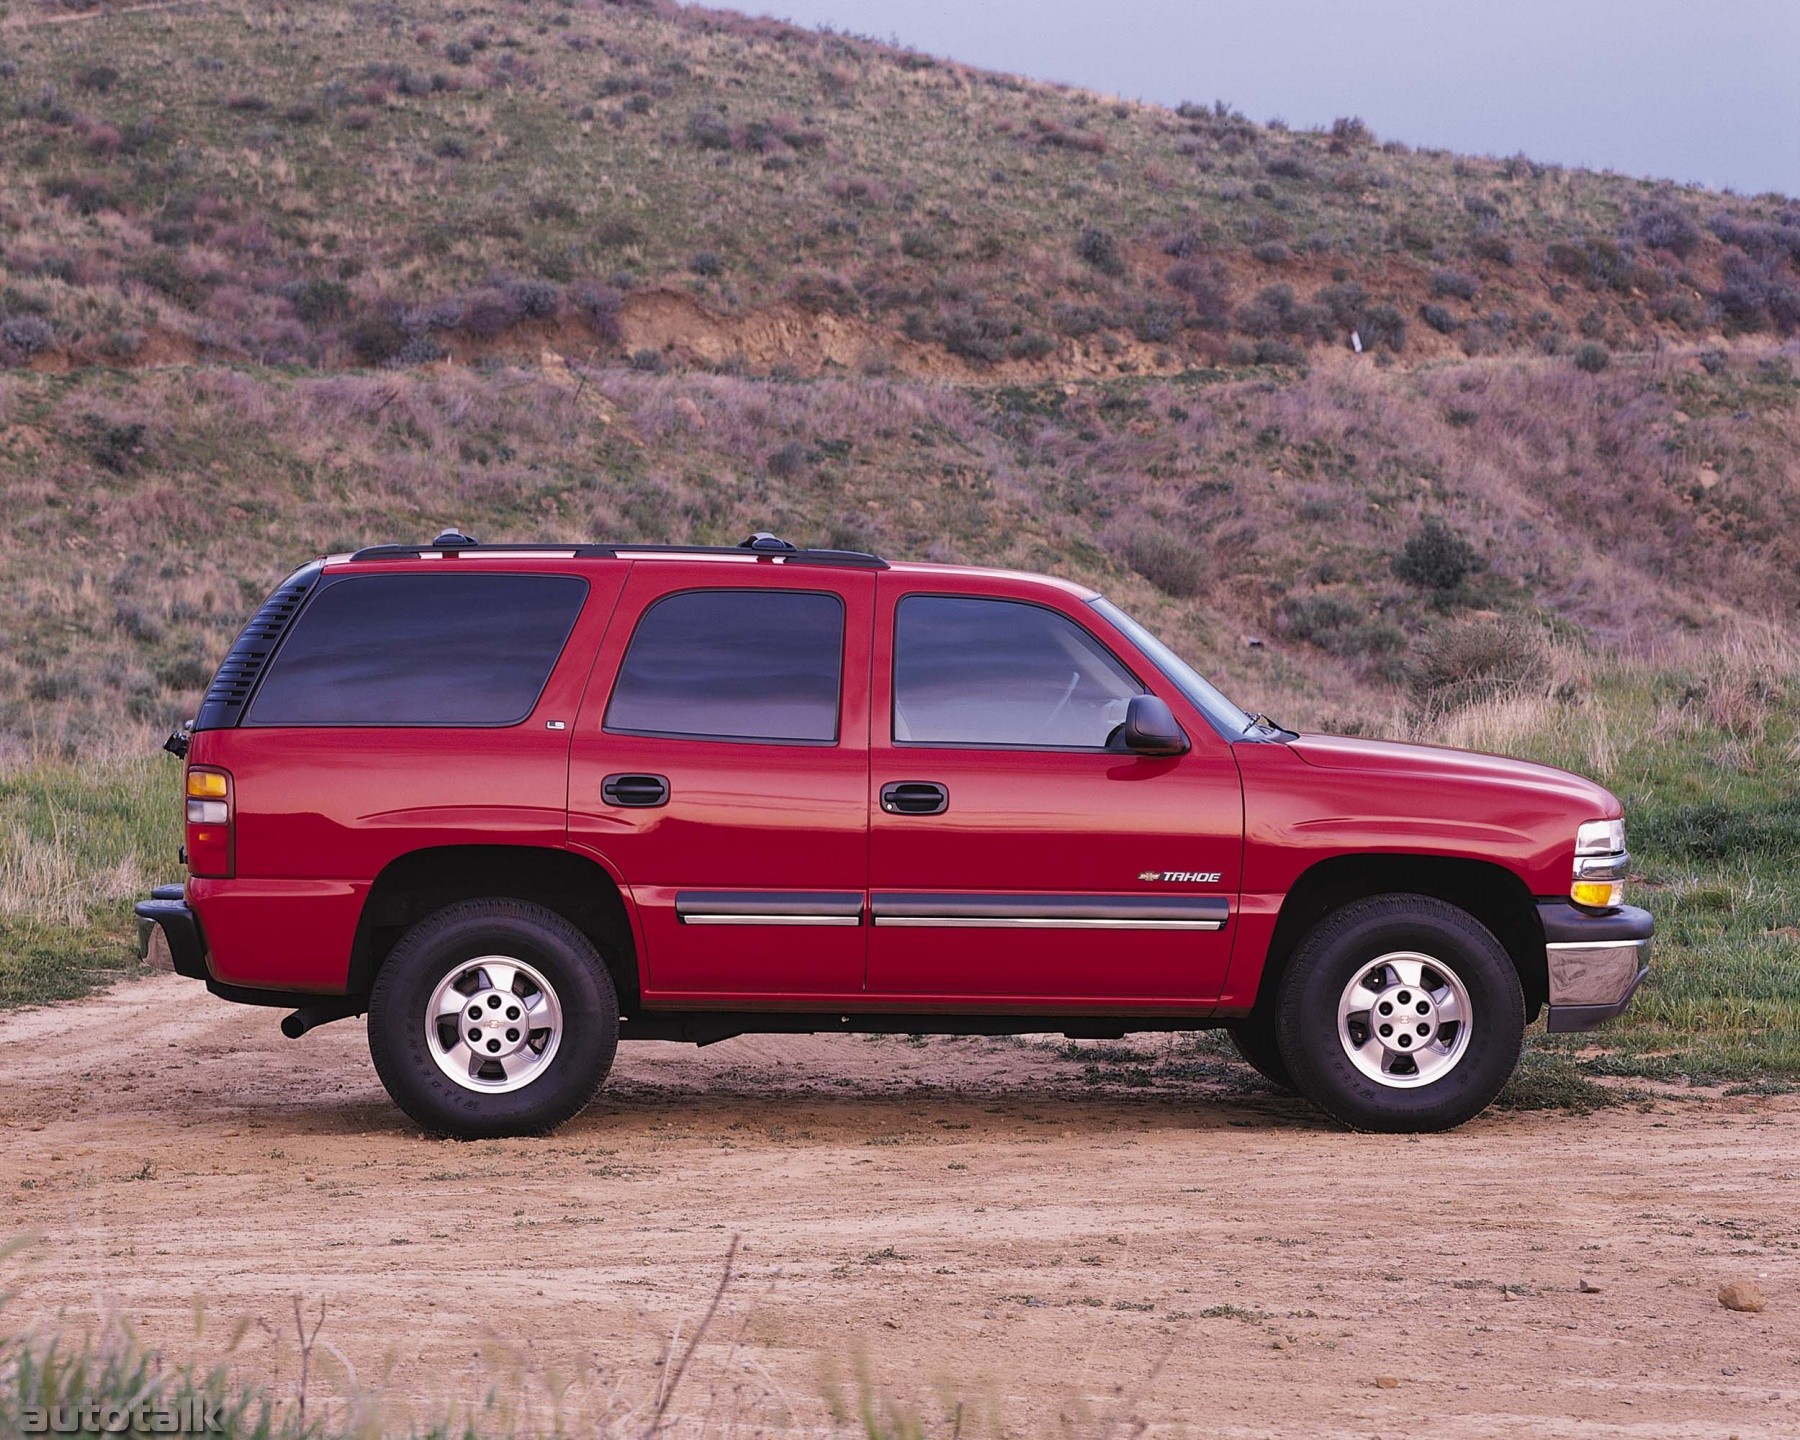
(757, 665)
(1002, 673)
(420, 650)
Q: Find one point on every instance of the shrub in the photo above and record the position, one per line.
(1490, 245)
(375, 339)
(1454, 282)
(706, 263)
(1593, 358)
(97, 77)
(1336, 626)
(1477, 659)
(1205, 288)
(600, 305)
(1438, 318)
(450, 147)
(708, 129)
(489, 314)
(1668, 227)
(1288, 168)
(1349, 130)
(1272, 252)
(319, 299)
(1099, 249)
(1436, 557)
(1162, 558)
(1384, 325)
(1155, 322)
(650, 361)
(26, 334)
(787, 461)
(535, 299)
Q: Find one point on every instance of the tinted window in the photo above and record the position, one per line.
(1000, 672)
(420, 650)
(734, 665)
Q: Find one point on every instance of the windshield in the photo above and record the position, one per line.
(1227, 719)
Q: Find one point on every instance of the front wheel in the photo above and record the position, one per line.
(493, 1017)
(1401, 1013)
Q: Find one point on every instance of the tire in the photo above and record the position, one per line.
(502, 961)
(1427, 961)
(1254, 1040)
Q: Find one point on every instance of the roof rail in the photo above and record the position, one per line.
(764, 546)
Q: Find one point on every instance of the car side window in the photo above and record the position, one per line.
(747, 665)
(1003, 673)
(420, 650)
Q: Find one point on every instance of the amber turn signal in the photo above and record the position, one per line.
(205, 785)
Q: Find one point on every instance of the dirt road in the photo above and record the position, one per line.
(972, 1218)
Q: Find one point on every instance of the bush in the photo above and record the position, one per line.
(1205, 288)
(1101, 250)
(1438, 318)
(535, 299)
(708, 129)
(600, 305)
(1493, 246)
(1478, 659)
(1336, 626)
(1436, 557)
(1592, 358)
(1271, 252)
(1454, 282)
(26, 334)
(1162, 558)
(375, 339)
(1668, 227)
(319, 299)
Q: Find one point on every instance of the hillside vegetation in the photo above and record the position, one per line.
(278, 280)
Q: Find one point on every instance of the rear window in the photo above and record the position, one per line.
(753, 665)
(420, 650)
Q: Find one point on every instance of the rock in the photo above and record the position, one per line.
(1387, 1382)
(1278, 1343)
(1742, 1295)
(1588, 1287)
(1708, 477)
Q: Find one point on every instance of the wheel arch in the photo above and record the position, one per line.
(420, 882)
(1491, 893)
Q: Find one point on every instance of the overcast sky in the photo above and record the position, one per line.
(1691, 90)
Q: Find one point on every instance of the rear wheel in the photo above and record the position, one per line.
(1253, 1037)
(493, 1017)
(1400, 1013)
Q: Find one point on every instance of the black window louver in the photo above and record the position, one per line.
(249, 654)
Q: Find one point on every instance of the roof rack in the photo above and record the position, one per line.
(762, 544)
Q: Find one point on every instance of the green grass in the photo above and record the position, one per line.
(77, 845)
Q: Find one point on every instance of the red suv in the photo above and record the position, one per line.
(517, 802)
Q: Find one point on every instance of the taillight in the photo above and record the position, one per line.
(209, 823)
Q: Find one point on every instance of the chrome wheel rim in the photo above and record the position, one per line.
(493, 1024)
(1405, 1019)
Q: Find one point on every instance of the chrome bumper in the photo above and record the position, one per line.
(1595, 962)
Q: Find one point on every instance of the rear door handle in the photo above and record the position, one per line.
(915, 797)
(635, 792)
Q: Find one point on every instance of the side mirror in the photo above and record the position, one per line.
(1151, 729)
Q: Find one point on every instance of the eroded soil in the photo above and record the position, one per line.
(969, 1221)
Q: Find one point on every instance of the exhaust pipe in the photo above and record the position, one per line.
(320, 1012)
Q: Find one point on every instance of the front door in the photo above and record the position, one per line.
(720, 771)
(1016, 854)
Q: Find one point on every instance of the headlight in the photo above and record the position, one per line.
(1600, 865)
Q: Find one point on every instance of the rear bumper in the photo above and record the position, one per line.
(167, 909)
(1595, 962)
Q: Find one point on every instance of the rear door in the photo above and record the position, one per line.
(1014, 856)
(720, 769)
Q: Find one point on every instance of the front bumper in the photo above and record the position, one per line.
(1595, 962)
(168, 909)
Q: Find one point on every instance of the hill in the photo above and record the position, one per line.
(277, 280)
(392, 182)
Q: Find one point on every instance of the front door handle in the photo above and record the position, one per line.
(915, 797)
(635, 792)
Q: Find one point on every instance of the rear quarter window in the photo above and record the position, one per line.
(420, 650)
